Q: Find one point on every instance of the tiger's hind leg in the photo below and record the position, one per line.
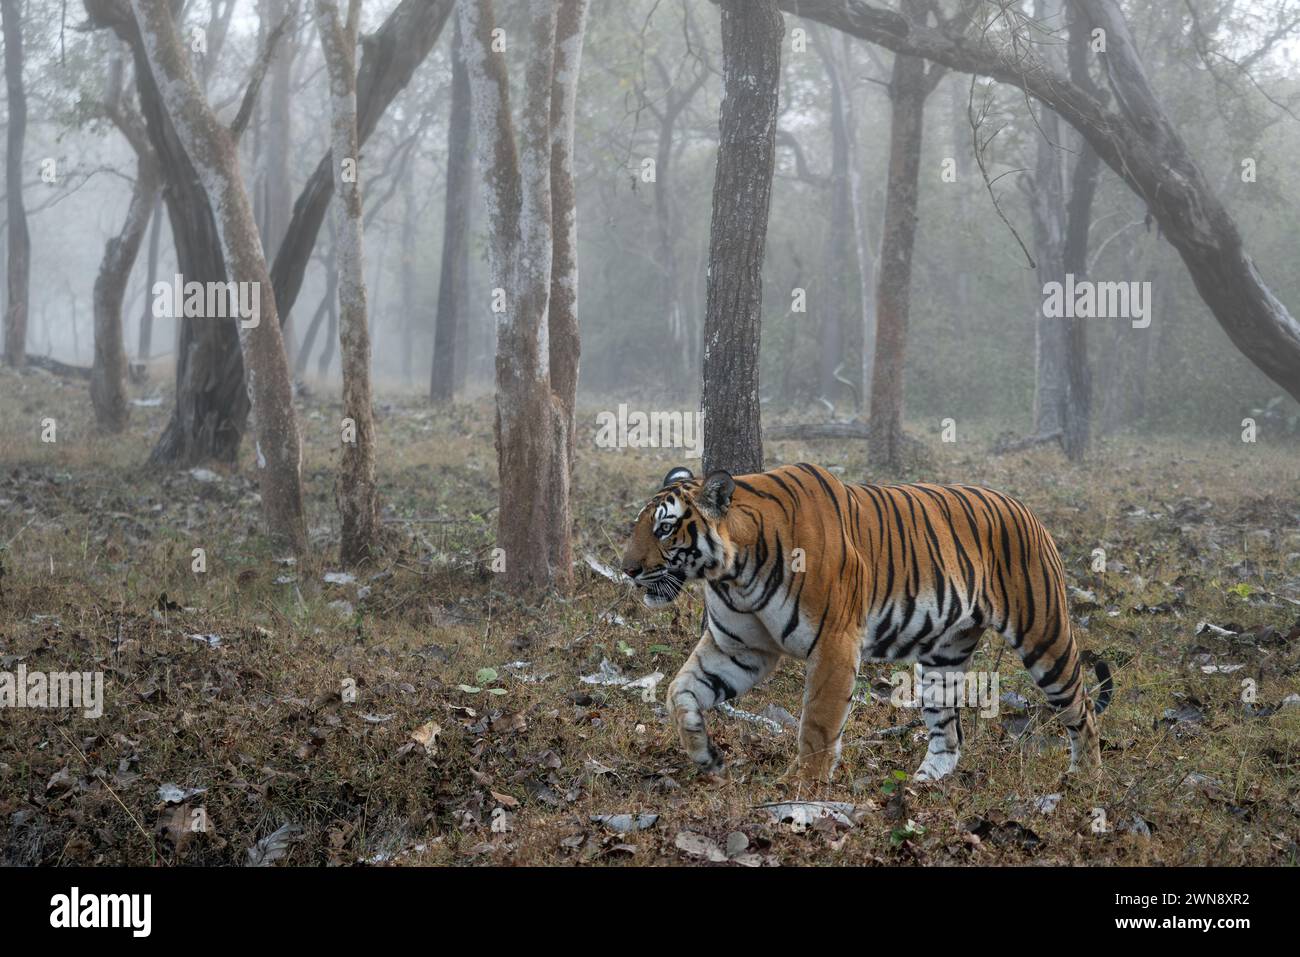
(1051, 656)
(943, 676)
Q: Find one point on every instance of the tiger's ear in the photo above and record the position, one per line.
(679, 474)
(715, 497)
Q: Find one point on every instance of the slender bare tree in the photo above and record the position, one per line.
(1046, 190)
(356, 492)
(453, 280)
(681, 362)
(109, 369)
(532, 252)
(19, 242)
(210, 147)
(909, 86)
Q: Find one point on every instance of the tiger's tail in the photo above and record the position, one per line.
(1105, 686)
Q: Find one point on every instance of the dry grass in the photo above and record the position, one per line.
(92, 541)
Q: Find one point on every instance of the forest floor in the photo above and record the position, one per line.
(412, 713)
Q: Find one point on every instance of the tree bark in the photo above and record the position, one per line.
(18, 241)
(1076, 418)
(211, 399)
(277, 184)
(1138, 143)
(909, 86)
(742, 190)
(865, 248)
(313, 329)
(838, 266)
(531, 251)
(562, 321)
(145, 347)
(356, 494)
(109, 369)
(1047, 208)
(681, 361)
(453, 279)
(211, 149)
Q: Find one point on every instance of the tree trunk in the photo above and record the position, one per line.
(1138, 143)
(109, 370)
(406, 280)
(742, 189)
(466, 327)
(1047, 206)
(562, 321)
(356, 494)
(211, 399)
(145, 349)
(277, 184)
(18, 240)
(837, 262)
(313, 329)
(211, 148)
(531, 236)
(326, 359)
(864, 247)
(681, 367)
(893, 292)
(1076, 418)
(453, 279)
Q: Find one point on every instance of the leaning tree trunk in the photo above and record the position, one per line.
(453, 279)
(211, 148)
(211, 398)
(389, 58)
(109, 370)
(355, 494)
(893, 292)
(313, 328)
(1138, 143)
(742, 190)
(18, 240)
(332, 307)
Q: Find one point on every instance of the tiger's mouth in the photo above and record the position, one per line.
(661, 587)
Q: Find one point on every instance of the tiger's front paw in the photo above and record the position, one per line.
(711, 762)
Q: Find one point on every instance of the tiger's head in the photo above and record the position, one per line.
(679, 535)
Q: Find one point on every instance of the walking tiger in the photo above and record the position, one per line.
(886, 573)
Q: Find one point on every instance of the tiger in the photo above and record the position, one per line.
(797, 563)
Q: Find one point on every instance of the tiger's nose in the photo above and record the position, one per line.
(631, 570)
